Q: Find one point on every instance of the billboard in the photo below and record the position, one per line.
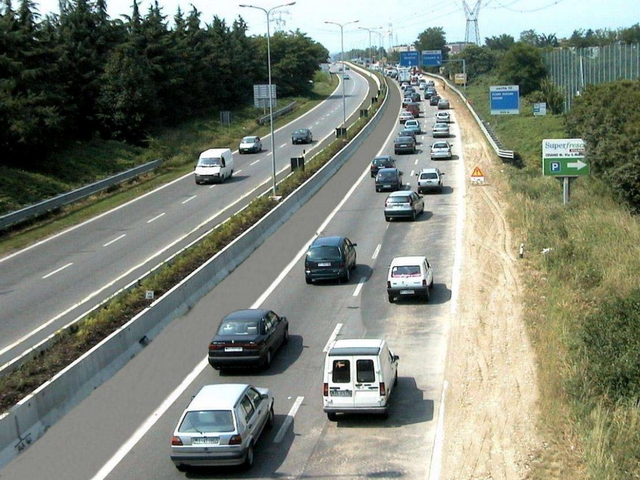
(409, 59)
(431, 58)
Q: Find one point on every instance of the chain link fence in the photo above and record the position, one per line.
(571, 69)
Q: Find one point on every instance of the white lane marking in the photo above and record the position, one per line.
(58, 270)
(416, 161)
(283, 145)
(189, 199)
(156, 217)
(413, 172)
(332, 338)
(238, 171)
(356, 292)
(376, 251)
(115, 240)
(436, 455)
(253, 163)
(287, 421)
(155, 416)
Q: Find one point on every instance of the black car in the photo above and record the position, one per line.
(248, 338)
(330, 258)
(388, 179)
(381, 162)
(406, 132)
(434, 100)
(404, 145)
(415, 97)
(302, 135)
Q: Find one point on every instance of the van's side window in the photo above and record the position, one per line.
(341, 371)
(365, 372)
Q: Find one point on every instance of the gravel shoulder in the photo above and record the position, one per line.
(491, 409)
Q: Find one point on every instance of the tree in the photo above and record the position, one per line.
(431, 39)
(502, 43)
(479, 60)
(529, 37)
(523, 65)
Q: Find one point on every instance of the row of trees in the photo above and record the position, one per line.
(78, 74)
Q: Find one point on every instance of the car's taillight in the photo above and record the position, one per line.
(388, 284)
(176, 441)
(251, 346)
(411, 201)
(235, 440)
(383, 390)
(213, 347)
(325, 390)
(424, 282)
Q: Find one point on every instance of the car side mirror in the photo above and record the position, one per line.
(441, 173)
(396, 358)
(283, 319)
(264, 396)
(354, 244)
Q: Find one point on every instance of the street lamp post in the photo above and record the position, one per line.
(370, 30)
(273, 143)
(342, 25)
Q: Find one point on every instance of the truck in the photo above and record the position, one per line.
(404, 75)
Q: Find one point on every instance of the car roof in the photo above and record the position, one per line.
(441, 143)
(247, 314)
(429, 170)
(250, 137)
(358, 342)
(443, 125)
(222, 396)
(408, 260)
(400, 139)
(332, 241)
(400, 193)
(383, 157)
(301, 130)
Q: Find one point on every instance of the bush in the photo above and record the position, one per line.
(611, 342)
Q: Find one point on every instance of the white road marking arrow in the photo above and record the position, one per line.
(577, 165)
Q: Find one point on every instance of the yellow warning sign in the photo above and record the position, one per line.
(477, 173)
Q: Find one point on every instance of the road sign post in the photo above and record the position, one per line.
(565, 160)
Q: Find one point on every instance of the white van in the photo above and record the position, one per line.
(214, 165)
(359, 377)
(409, 277)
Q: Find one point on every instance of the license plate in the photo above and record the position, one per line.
(407, 292)
(232, 349)
(324, 264)
(340, 393)
(398, 207)
(205, 440)
(386, 186)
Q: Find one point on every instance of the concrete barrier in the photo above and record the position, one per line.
(33, 415)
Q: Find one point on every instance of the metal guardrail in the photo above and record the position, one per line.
(278, 113)
(484, 126)
(61, 200)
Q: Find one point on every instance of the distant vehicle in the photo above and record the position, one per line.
(413, 125)
(414, 109)
(406, 132)
(409, 277)
(388, 179)
(302, 135)
(330, 258)
(404, 116)
(214, 166)
(221, 425)
(403, 204)
(250, 145)
(440, 130)
(346, 76)
(433, 101)
(430, 179)
(359, 377)
(404, 145)
(248, 338)
(443, 104)
(415, 97)
(443, 117)
(441, 150)
(429, 92)
(381, 162)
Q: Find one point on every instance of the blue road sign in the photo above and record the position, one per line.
(409, 59)
(431, 58)
(505, 100)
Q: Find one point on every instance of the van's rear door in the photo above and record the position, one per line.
(341, 382)
(366, 385)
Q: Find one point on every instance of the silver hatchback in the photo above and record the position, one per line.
(440, 130)
(221, 425)
(403, 204)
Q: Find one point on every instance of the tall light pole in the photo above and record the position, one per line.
(370, 47)
(344, 107)
(273, 142)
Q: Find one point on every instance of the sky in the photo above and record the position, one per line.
(398, 21)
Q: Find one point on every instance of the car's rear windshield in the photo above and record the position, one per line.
(207, 421)
(232, 327)
(428, 176)
(398, 199)
(381, 161)
(405, 271)
(387, 175)
(324, 253)
(440, 145)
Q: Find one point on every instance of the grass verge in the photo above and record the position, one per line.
(593, 260)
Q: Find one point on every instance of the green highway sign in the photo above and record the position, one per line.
(565, 167)
(564, 158)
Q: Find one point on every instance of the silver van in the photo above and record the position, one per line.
(359, 377)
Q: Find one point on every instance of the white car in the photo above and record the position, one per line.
(221, 425)
(250, 144)
(441, 150)
(404, 116)
(430, 179)
(443, 117)
(409, 277)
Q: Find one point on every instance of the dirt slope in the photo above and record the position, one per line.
(491, 412)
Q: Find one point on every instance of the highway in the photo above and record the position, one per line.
(122, 430)
(53, 282)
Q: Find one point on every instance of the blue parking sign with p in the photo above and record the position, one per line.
(555, 166)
